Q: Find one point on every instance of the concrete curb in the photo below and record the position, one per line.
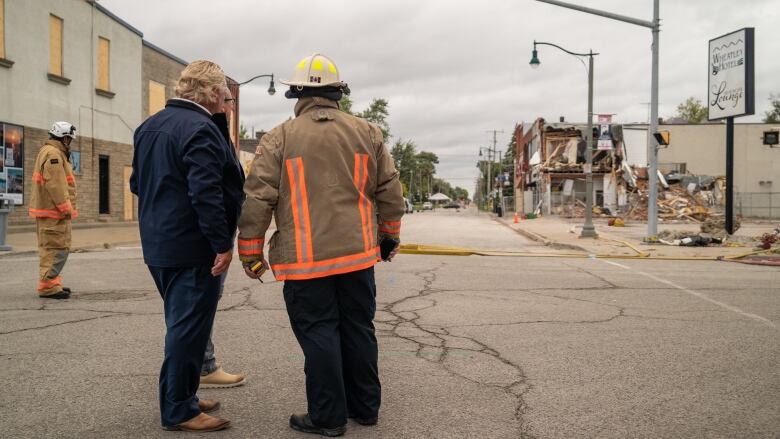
(26, 228)
(13, 254)
(542, 239)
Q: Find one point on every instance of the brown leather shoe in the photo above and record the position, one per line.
(208, 405)
(202, 423)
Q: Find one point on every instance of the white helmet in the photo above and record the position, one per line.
(63, 129)
(315, 71)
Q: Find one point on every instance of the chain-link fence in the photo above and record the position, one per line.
(757, 204)
(760, 205)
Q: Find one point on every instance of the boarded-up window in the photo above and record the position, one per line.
(2, 29)
(104, 60)
(55, 45)
(156, 97)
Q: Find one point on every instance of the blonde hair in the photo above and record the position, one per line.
(201, 82)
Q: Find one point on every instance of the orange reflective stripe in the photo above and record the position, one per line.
(300, 208)
(49, 283)
(250, 247)
(393, 227)
(360, 184)
(71, 180)
(46, 213)
(305, 212)
(65, 207)
(367, 202)
(37, 177)
(328, 267)
(392, 230)
(333, 272)
(374, 251)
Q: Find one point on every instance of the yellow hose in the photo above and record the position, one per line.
(438, 250)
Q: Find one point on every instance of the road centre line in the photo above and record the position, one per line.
(698, 294)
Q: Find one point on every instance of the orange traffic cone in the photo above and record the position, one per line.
(517, 220)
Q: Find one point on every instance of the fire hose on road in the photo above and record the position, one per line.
(438, 250)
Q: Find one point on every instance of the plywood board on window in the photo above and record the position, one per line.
(104, 58)
(55, 45)
(156, 97)
(2, 28)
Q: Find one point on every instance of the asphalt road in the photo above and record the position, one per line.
(477, 347)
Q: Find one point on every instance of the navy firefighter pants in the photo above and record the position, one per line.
(332, 318)
(190, 298)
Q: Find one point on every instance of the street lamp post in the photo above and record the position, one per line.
(652, 145)
(271, 89)
(588, 231)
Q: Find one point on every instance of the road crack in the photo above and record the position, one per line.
(437, 345)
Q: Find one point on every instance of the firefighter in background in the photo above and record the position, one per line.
(329, 181)
(53, 205)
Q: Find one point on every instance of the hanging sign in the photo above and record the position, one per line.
(730, 89)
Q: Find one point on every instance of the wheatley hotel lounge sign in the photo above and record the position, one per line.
(731, 75)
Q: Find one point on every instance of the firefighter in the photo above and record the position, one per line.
(53, 205)
(332, 187)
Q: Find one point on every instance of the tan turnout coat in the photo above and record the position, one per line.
(332, 187)
(54, 186)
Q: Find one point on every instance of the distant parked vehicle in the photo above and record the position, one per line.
(427, 205)
(409, 207)
(452, 205)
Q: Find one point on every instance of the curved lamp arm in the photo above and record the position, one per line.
(541, 43)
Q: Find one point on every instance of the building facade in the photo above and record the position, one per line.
(697, 149)
(74, 60)
(70, 60)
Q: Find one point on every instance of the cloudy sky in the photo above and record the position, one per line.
(454, 69)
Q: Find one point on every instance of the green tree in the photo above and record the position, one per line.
(242, 133)
(426, 168)
(377, 113)
(692, 110)
(404, 155)
(773, 116)
(345, 104)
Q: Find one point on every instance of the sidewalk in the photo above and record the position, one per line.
(24, 239)
(563, 234)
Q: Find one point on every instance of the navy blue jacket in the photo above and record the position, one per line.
(189, 184)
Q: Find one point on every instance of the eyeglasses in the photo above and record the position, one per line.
(229, 100)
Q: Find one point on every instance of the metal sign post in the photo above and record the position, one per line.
(730, 94)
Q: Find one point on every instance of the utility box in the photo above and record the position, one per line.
(6, 207)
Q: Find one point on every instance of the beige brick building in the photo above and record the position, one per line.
(92, 69)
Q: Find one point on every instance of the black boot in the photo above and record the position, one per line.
(303, 423)
(365, 421)
(61, 295)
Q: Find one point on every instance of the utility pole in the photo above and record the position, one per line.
(492, 157)
(652, 144)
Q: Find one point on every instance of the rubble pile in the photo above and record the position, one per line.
(681, 197)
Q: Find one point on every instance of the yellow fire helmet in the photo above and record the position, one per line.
(315, 71)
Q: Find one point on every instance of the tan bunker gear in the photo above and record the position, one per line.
(332, 187)
(53, 205)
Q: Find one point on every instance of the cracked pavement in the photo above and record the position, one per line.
(482, 347)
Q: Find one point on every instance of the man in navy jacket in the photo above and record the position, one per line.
(189, 187)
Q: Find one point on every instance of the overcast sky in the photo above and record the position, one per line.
(453, 69)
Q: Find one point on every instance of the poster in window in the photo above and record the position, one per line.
(12, 156)
(75, 161)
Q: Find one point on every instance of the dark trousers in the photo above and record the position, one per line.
(332, 318)
(190, 298)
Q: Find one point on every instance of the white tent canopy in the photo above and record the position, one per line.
(439, 197)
